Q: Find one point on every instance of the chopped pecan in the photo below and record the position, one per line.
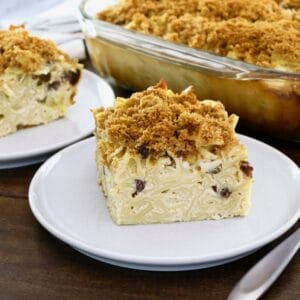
(246, 168)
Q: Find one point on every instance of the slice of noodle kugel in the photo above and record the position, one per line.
(38, 82)
(165, 157)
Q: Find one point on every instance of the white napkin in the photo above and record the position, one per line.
(60, 25)
(73, 43)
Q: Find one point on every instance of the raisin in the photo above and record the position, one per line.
(214, 149)
(21, 126)
(172, 162)
(225, 192)
(139, 185)
(176, 134)
(54, 85)
(72, 77)
(216, 170)
(42, 78)
(42, 100)
(246, 168)
(144, 151)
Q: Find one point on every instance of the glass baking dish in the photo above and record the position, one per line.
(266, 100)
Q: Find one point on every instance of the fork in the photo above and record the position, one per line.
(260, 277)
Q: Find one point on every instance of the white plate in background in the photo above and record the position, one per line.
(19, 163)
(65, 198)
(28, 143)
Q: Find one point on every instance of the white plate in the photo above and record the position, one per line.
(66, 200)
(24, 162)
(164, 268)
(78, 123)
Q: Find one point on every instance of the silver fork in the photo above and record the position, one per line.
(260, 277)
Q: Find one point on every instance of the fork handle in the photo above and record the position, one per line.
(260, 277)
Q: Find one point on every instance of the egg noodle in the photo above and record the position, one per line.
(174, 189)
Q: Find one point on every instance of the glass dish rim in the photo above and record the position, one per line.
(241, 70)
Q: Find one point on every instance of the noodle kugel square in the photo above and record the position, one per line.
(38, 82)
(165, 157)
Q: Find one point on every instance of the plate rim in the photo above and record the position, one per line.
(75, 243)
(20, 156)
(14, 164)
(165, 268)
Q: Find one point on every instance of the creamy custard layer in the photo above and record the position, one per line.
(171, 190)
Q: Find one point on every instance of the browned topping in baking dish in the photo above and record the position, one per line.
(21, 50)
(157, 120)
(262, 32)
(252, 10)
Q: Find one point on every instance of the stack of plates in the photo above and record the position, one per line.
(32, 145)
(66, 200)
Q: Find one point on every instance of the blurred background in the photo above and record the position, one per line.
(24, 9)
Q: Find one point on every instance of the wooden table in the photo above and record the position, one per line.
(35, 265)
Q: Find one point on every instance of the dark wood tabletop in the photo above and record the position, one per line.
(35, 265)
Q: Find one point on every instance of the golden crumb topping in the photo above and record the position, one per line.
(157, 120)
(261, 32)
(262, 43)
(21, 50)
(252, 10)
